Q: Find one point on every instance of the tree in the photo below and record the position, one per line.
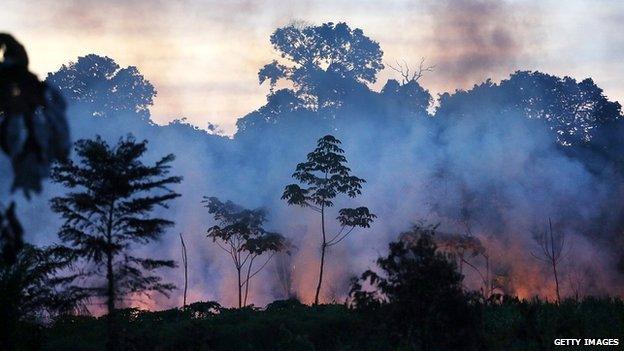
(32, 287)
(553, 248)
(407, 76)
(419, 294)
(318, 56)
(240, 233)
(327, 176)
(463, 249)
(573, 111)
(33, 127)
(33, 133)
(185, 265)
(103, 88)
(29, 283)
(108, 210)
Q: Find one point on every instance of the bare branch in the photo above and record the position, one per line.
(331, 243)
(404, 71)
(261, 267)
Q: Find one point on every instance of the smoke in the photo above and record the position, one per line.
(499, 176)
(474, 39)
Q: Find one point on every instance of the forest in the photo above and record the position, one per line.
(337, 217)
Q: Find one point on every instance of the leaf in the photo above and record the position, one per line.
(33, 125)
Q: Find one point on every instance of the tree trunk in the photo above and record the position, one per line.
(323, 247)
(111, 343)
(556, 281)
(110, 304)
(247, 280)
(240, 297)
(185, 262)
(553, 258)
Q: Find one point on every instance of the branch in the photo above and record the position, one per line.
(331, 243)
(261, 267)
(223, 248)
(404, 70)
(313, 207)
(476, 269)
(539, 258)
(246, 258)
(335, 236)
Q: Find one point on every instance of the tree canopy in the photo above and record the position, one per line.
(572, 110)
(241, 234)
(105, 89)
(318, 56)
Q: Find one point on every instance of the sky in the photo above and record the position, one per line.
(203, 56)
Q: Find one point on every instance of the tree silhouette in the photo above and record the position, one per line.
(103, 88)
(108, 210)
(572, 110)
(553, 249)
(240, 233)
(327, 176)
(465, 249)
(185, 265)
(33, 127)
(29, 281)
(408, 75)
(325, 71)
(419, 292)
(319, 56)
(32, 287)
(33, 133)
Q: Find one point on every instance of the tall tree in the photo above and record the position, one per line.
(185, 263)
(240, 233)
(103, 89)
(326, 176)
(553, 249)
(108, 210)
(322, 61)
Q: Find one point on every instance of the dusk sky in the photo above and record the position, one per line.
(203, 56)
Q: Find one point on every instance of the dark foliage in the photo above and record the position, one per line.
(509, 326)
(108, 211)
(571, 109)
(31, 288)
(33, 133)
(11, 236)
(30, 285)
(33, 128)
(241, 234)
(103, 88)
(419, 298)
(324, 62)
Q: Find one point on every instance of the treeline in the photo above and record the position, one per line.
(288, 325)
